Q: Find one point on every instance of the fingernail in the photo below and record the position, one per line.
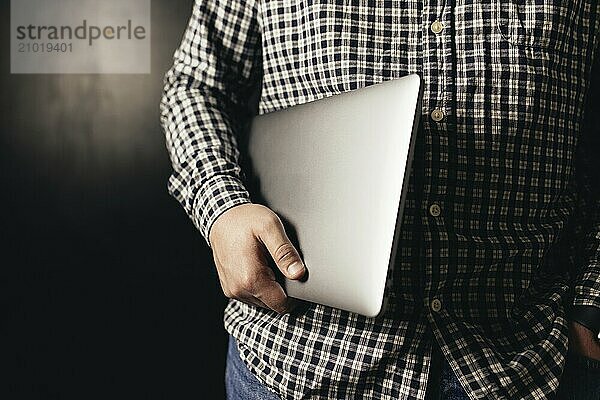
(295, 268)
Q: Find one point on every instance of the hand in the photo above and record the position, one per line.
(243, 238)
(583, 341)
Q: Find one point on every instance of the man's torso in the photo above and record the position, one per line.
(504, 86)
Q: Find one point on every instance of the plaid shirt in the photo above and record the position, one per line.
(513, 237)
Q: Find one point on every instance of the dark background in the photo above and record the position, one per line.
(111, 292)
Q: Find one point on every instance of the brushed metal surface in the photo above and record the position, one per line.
(334, 170)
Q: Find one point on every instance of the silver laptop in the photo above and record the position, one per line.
(336, 171)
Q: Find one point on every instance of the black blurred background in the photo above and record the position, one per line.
(110, 291)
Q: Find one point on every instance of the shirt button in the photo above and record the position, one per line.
(436, 305)
(437, 115)
(435, 210)
(437, 27)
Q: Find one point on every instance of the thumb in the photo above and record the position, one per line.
(282, 251)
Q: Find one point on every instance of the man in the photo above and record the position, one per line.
(499, 258)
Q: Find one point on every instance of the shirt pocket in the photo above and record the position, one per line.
(536, 24)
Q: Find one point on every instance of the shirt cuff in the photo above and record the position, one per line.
(216, 196)
(588, 316)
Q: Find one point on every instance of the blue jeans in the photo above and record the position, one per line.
(241, 384)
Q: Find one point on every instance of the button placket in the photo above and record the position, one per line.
(438, 42)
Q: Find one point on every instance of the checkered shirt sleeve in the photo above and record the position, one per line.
(204, 106)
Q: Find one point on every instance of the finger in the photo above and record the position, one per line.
(251, 300)
(255, 301)
(282, 251)
(270, 292)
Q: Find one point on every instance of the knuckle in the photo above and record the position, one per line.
(270, 223)
(247, 282)
(236, 291)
